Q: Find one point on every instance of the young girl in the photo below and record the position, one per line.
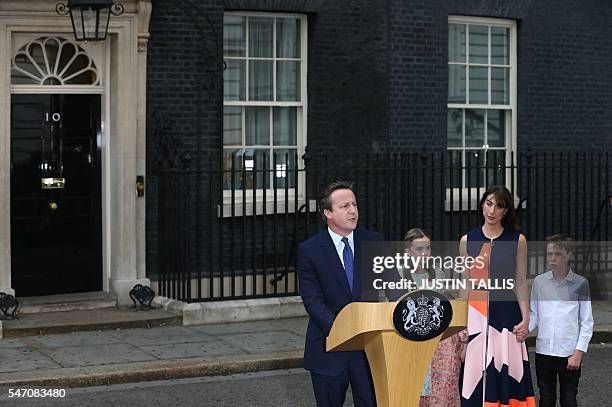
(441, 385)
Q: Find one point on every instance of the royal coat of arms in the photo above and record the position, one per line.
(422, 315)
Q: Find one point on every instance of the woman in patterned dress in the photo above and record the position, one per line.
(498, 317)
(442, 381)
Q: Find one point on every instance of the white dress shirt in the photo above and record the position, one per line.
(562, 313)
(339, 244)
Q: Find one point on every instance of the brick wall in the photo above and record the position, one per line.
(377, 76)
(564, 77)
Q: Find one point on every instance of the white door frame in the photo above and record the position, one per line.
(123, 134)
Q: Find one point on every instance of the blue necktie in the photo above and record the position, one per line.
(347, 256)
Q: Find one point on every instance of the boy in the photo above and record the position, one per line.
(560, 308)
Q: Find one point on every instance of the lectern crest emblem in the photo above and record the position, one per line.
(422, 315)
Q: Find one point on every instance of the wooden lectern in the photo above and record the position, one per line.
(398, 365)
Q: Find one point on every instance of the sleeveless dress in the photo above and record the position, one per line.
(492, 314)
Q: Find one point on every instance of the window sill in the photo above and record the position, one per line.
(469, 202)
(248, 209)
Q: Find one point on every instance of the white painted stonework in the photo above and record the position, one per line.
(217, 312)
(121, 62)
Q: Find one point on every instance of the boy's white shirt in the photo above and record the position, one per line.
(564, 324)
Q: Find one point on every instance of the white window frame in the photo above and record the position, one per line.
(301, 124)
(511, 125)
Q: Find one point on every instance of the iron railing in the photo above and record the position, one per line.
(232, 233)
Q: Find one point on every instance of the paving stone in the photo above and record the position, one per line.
(297, 326)
(258, 342)
(165, 335)
(73, 339)
(23, 360)
(73, 356)
(11, 343)
(193, 350)
(246, 327)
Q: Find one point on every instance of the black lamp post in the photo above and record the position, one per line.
(90, 17)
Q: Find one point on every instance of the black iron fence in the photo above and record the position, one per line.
(230, 231)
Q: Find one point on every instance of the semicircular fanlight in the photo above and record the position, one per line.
(53, 61)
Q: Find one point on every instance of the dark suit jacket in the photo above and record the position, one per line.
(325, 291)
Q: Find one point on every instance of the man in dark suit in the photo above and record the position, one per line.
(329, 280)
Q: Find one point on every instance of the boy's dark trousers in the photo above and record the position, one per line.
(547, 370)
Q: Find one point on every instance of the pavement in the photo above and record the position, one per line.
(170, 352)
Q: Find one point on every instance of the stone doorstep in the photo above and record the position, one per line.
(86, 320)
(154, 370)
(66, 302)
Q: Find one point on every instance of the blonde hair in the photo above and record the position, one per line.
(562, 241)
(415, 233)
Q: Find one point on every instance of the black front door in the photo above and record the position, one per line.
(56, 235)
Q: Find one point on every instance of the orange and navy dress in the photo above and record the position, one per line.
(494, 358)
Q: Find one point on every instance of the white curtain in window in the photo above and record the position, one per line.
(287, 38)
(260, 37)
(260, 80)
(257, 132)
